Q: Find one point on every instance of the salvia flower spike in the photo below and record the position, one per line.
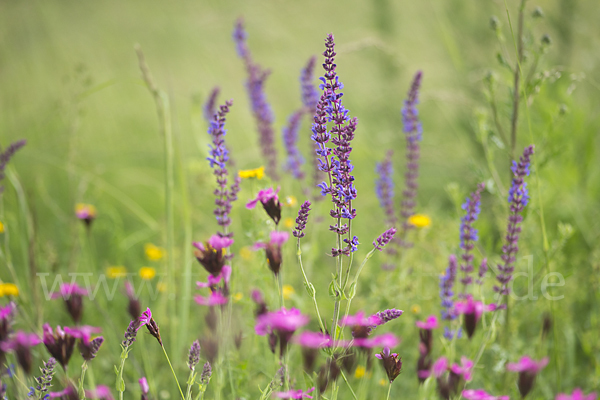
(446, 285)
(209, 109)
(194, 355)
(290, 140)
(5, 157)
(468, 235)
(43, 382)
(384, 239)
(301, 220)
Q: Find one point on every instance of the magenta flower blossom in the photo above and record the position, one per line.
(69, 393)
(528, 370)
(360, 320)
(213, 281)
(464, 369)
(145, 318)
(391, 363)
(283, 323)
(72, 294)
(102, 392)
(84, 332)
(144, 385)
(430, 323)
(449, 379)
(385, 340)
(215, 299)
(480, 394)
(273, 249)
(577, 395)
(440, 366)
(212, 254)
(60, 343)
(20, 344)
(294, 394)
(313, 340)
(6, 319)
(270, 202)
(472, 310)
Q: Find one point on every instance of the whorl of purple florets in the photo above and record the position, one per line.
(6, 155)
(310, 95)
(468, 234)
(302, 220)
(194, 355)
(218, 161)
(384, 239)
(290, 139)
(413, 133)
(263, 114)
(384, 187)
(389, 315)
(518, 197)
(209, 108)
(206, 373)
(131, 333)
(446, 285)
(482, 270)
(335, 162)
(43, 382)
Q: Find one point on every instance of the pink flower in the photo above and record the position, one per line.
(385, 340)
(144, 385)
(145, 318)
(577, 395)
(440, 366)
(430, 323)
(7, 311)
(68, 393)
(214, 280)
(102, 392)
(273, 249)
(81, 332)
(216, 298)
(480, 394)
(464, 369)
(219, 242)
(472, 311)
(281, 320)
(315, 340)
(294, 394)
(20, 344)
(264, 196)
(67, 290)
(360, 320)
(527, 364)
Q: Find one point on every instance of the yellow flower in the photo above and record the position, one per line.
(116, 272)
(154, 253)
(383, 382)
(288, 222)
(419, 220)
(257, 173)
(415, 309)
(161, 286)
(1, 227)
(290, 201)
(288, 291)
(8, 289)
(85, 211)
(147, 273)
(237, 297)
(246, 253)
(360, 372)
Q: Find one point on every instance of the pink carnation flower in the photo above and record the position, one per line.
(577, 395)
(430, 323)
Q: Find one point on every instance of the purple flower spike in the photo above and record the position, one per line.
(413, 133)
(388, 315)
(310, 95)
(89, 349)
(290, 140)
(518, 197)
(385, 238)
(384, 187)
(295, 394)
(209, 108)
(20, 344)
(302, 220)
(270, 202)
(263, 114)
(335, 161)
(5, 157)
(391, 363)
(482, 270)
(446, 285)
(194, 355)
(131, 333)
(577, 395)
(480, 394)
(468, 235)
(528, 370)
(218, 157)
(43, 382)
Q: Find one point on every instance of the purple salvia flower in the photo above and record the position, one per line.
(310, 95)
(218, 159)
(482, 271)
(468, 235)
(206, 373)
(6, 155)
(89, 349)
(263, 114)
(290, 139)
(194, 355)
(446, 285)
(389, 315)
(43, 382)
(209, 109)
(413, 133)
(335, 162)
(518, 197)
(131, 333)
(385, 238)
(302, 220)
(384, 187)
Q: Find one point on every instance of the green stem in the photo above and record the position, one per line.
(280, 288)
(309, 286)
(348, 384)
(81, 389)
(389, 391)
(173, 371)
(190, 383)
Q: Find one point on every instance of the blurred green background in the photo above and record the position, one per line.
(70, 85)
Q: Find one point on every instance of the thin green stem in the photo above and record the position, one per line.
(84, 367)
(173, 371)
(190, 383)
(389, 391)
(348, 384)
(280, 289)
(309, 286)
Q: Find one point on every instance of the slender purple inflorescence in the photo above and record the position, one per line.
(194, 355)
(385, 238)
(290, 139)
(384, 187)
(468, 235)
(209, 109)
(302, 220)
(310, 95)
(263, 114)
(414, 133)
(518, 197)
(446, 285)
(482, 270)
(43, 382)
(218, 161)
(336, 162)
(6, 155)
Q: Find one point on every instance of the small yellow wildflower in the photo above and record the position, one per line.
(246, 253)
(360, 372)
(161, 287)
(147, 273)
(257, 173)
(415, 309)
(237, 297)
(288, 222)
(288, 291)
(383, 382)
(153, 253)
(1, 227)
(419, 220)
(291, 201)
(9, 289)
(116, 272)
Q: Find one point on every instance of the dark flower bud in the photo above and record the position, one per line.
(391, 363)
(546, 40)
(210, 347)
(88, 349)
(152, 327)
